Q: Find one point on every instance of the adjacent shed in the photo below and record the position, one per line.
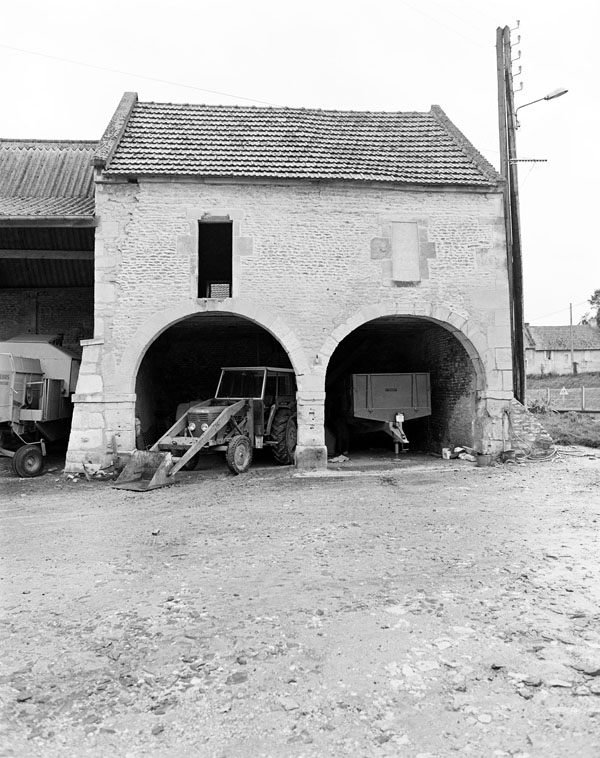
(47, 219)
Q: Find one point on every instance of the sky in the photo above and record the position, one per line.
(66, 63)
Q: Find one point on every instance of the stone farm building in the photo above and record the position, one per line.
(548, 348)
(328, 242)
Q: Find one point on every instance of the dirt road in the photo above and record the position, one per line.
(427, 610)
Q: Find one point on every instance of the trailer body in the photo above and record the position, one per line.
(379, 397)
(383, 402)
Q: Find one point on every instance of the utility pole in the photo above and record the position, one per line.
(508, 169)
(571, 332)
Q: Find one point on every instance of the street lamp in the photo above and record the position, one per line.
(558, 92)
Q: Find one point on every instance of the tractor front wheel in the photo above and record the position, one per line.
(285, 435)
(192, 463)
(239, 454)
(28, 461)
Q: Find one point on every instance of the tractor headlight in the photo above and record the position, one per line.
(191, 426)
(204, 427)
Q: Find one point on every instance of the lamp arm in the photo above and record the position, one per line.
(539, 100)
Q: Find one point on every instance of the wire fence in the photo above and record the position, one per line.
(572, 399)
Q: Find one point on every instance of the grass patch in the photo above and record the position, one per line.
(558, 381)
(572, 428)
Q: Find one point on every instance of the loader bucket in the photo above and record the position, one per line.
(145, 471)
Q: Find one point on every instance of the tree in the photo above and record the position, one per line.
(594, 301)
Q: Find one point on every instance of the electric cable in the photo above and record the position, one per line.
(137, 76)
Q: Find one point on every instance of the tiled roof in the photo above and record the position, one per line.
(294, 143)
(46, 178)
(585, 337)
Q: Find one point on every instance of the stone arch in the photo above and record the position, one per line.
(148, 332)
(470, 338)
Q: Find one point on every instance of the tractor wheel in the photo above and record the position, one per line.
(28, 461)
(239, 454)
(284, 433)
(192, 463)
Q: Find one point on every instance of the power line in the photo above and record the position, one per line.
(441, 23)
(554, 313)
(443, 6)
(137, 76)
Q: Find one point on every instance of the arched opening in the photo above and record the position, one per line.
(184, 362)
(402, 345)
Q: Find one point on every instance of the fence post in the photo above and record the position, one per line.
(548, 395)
(583, 398)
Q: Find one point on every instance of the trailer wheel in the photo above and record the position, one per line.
(285, 435)
(28, 461)
(239, 454)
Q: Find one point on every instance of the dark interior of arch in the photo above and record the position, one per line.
(184, 364)
(404, 344)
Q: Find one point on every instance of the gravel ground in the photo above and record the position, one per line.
(424, 608)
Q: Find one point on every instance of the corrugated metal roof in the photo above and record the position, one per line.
(46, 178)
(296, 143)
(46, 206)
(585, 337)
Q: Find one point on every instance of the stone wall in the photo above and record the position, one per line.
(311, 262)
(527, 434)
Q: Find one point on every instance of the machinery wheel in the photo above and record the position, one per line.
(239, 454)
(28, 461)
(192, 463)
(284, 432)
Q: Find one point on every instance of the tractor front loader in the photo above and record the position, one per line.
(253, 407)
(149, 469)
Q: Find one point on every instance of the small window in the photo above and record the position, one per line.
(549, 354)
(215, 258)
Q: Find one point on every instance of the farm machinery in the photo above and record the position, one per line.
(383, 402)
(253, 407)
(37, 378)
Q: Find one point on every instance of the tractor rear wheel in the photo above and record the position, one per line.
(239, 454)
(285, 435)
(28, 461)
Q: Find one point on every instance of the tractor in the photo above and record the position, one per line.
(254, 407)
